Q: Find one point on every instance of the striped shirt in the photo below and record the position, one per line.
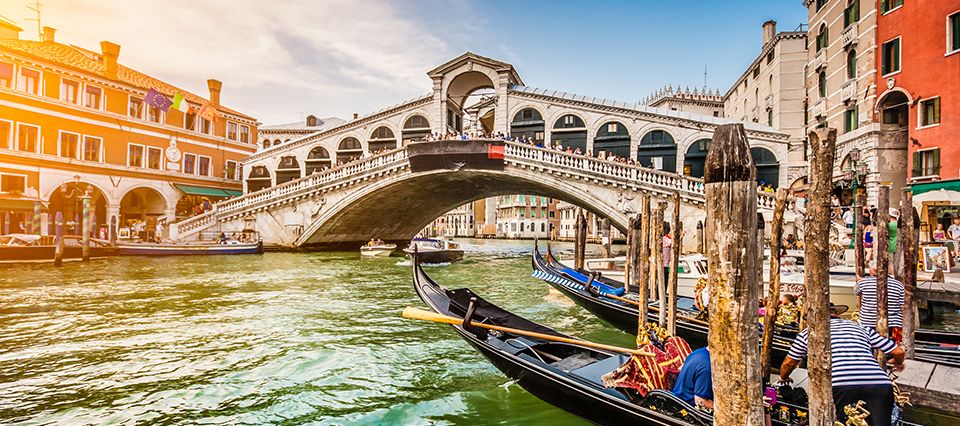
(851, 352)
(867, 290)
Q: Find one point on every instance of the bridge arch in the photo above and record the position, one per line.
(318, 158)
(767, 164)
(348, 149)
(382, 137)
(259, 178)
(658, 149)
(415, 127)
(612, 137)
(527, 122)
(288, 168)
(695, 157)
(458, 87)
(569, 130)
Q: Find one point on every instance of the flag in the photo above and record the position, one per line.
(157, 100)
(208, 113)
(180, 103)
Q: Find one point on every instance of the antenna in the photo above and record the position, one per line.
(35, 7)
(704, 76)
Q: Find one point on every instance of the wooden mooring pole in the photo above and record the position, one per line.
(643, 259)
(580, 241)
(731, 205)
(674, 265)
(661, 278)
(58, 239)
(629, 265)
(86, 227)
(773, 299)
(605, 237)
(883, 258)
(859, 252)
(817, 277)
(908, 238)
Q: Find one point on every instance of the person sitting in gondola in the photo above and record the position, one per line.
(695, 382)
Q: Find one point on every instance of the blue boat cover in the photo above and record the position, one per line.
(601, 287)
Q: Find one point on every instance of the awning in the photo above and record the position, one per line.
(207, 192)
(948, 185)
(16, 204)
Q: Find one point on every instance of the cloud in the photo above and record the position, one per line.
(275, 58)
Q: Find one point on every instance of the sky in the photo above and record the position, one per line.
(281, 60)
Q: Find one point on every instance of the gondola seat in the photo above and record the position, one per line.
(668, 403)
(594, 371)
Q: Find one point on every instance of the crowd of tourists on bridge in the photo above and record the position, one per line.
(523, 139)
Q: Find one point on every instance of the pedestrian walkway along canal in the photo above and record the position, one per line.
(278, 338)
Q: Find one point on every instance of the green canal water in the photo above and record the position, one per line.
(282, 338)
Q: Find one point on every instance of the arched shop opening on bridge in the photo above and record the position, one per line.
(259, 178)
(317, 159)
(415, 128)
(349, 149)
(768, 168)
(570, 132)
(612, 138)
(470, 103)
(140, 210)
(658, 150)
(288, 169)
(696, 158)
(381, 139)
(68, 200)
(528, 124)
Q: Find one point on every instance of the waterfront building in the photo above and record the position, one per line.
(460, 221)
(771, 92)
(919, 71)
(277, 134)
(523, 216)
(699, 101)
(76, 121)
(485, 214)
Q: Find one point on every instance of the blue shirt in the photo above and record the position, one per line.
(695, 379)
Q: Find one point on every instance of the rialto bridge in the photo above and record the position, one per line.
(297, 194)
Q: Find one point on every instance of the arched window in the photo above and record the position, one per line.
(768, 168)
(349, 149)
(822, 84)
(658, 150)
(276, 142)
(852, 64)
(318, 159)
(415, 128)
(612, 138)
(823, 37)
(288, 169)
(695, 158)
(382, 138)
(528, 123)
(569, 132)
(820, 4)
(266, 143)
(259, 178)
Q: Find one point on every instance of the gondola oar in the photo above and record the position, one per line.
(420, 314)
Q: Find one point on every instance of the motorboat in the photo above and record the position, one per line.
(30, 248)
(377, 249)
(435, 250)
(224, 246)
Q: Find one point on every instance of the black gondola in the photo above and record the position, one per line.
(930, 346)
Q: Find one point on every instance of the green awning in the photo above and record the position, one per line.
(16, 204)
(949, 185)
(207, 192)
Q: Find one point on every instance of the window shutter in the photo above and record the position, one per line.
(896, 55)
(885, 61)
(917, 164)
(935, 166)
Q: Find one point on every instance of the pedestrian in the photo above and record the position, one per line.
(667, 249)
(855, 373)
(866, 291)
(695, 382)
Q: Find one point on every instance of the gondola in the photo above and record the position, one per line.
(930, 346)
(562, 374)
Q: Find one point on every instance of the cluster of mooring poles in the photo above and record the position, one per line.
(734, 240)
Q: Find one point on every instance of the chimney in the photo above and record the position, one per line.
(769, 31)
(311, 121)
(356, 116)
(214, 86)
(48, 34)
(110, 52)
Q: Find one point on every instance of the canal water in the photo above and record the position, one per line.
(282, 338)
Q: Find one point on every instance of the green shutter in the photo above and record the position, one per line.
(896, 55)
(936, 162)
(955, 28)
(916, 164)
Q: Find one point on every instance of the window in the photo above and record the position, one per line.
(6, 134)
(134, 155)
(135, 107)
(852, 64)
(770, 56)
(926, 163)
(890, 62)
(29, 81)
(953, 35)
(154, 114)
(189, 163)
(612, 128)
(850, 119)
(888, 5)
(822, 84)
(70, 91)
(190, 119)
(13, 183)
(93, 97)
(231, 130)
(230, 170)
(851, 14)
(92, 148)
(930, 112)
(770, 117)
(823, 38)
(28, 137)
(756, 72)
(6, 74)
(204, 126)
(204, 166)
(820, 4)
(69, 142)
(154, 158)
(245, 134)
(568, 120)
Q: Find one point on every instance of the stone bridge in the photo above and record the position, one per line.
(381, 197)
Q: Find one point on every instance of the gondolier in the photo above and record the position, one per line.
(866, 290)
(855, 373)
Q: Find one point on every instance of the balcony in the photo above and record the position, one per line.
(819, 60)
(819, 108)
(849, 35)
(768, 101)
(848, 91)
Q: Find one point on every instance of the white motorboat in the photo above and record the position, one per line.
(377, 249)
(430, 250)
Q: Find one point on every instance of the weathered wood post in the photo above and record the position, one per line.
(580, 241)
(661, 278)
(883, 258)
(908, 238)
(817, 277)
(858, 233)
(674, 266)
(605, 237)
(731, 204)
(773, 299)
(86, 226)
(645, 250)
(761, 223)
(629, 265)
(58, 239)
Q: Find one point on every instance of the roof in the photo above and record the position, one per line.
(322, 123)
(88, 62)
(7, 23)
(470, 56)
(708, 119)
